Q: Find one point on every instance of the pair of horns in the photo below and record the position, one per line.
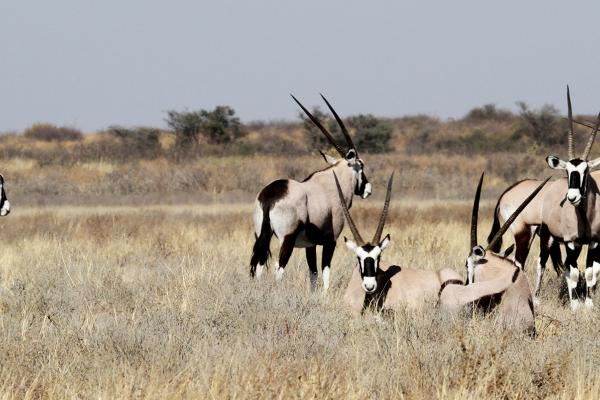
(377, 237)
(590, 143)
(508, 222)
(327, 134)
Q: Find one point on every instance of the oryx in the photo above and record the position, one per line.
(4, 203)
(307, 214)
(493, 280)
(386, 287)
(562, 199)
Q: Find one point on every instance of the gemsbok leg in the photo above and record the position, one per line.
(311, 259)
(592, 268)
(326, 257)
(572, 272)
(541, 263)
(285, 252)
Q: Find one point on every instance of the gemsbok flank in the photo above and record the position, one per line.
(375, 285)
(4, 203)
(494, 281)
(307, 214)
(572, 189)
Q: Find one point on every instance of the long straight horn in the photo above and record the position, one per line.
(322, 128)
(590, 142)
(570, 115)
(475, 213)
(515, 214)
(355, 233)
(341, 124)
(384, 212)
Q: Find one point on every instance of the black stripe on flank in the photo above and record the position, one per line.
(316, 172)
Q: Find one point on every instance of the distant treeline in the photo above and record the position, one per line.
(219, 132)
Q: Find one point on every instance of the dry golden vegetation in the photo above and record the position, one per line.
(156, 302)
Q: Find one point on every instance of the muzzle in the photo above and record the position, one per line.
(5, 210)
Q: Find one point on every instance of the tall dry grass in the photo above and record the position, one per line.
(156, 302)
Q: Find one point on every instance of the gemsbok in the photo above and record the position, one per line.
(307, 214)
(552, 204)
(494, 281)
(4, 203)
(386, 287)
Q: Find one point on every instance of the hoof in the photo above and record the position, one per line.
(574, 305)
(589, 303)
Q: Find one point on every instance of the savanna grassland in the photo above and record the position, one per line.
(124, 274)
(156, 302)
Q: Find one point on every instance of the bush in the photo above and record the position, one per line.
(544, 126)
(488, 112)
(219, 126)
(49, 132)
(139, 142)
(314, 136)
(372, 134)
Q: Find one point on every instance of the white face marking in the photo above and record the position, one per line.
(369, 284)
(574, 195)
(470, 270)
(326, 277)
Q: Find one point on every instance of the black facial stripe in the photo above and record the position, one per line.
(576, 161)
(574, 180)
(368, 267)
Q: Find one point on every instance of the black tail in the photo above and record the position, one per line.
(556, 258)
(495, 228)
(261, 251)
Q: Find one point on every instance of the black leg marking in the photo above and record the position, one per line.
(522, 243)
(285, 252)
(311, 259)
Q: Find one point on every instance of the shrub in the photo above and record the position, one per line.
(139, 142)
(219, 126)
(314, 136)
(372, 134)
(49, 132)
(488, 112)
(544, 126)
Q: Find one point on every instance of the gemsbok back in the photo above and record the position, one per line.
(307, 214)
(386, 287)
(493, 280)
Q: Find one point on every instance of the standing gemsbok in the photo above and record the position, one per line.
(307, 214)
(564, 197)
(386, 287)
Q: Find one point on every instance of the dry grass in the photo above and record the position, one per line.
(156, 302)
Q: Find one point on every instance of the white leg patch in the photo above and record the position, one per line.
(572, 280)
(259, 270)
(278, 272)
(326, 277)
(538, 282)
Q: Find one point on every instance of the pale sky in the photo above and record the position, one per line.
(91, 64)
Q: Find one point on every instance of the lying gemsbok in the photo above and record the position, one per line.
(563, 213)
(494, 280)
(307, 214)
(385, 287)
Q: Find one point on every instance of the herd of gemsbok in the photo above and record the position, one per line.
(312, 213)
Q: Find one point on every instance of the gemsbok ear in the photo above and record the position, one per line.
(508, 251)
(351, 155)
(328, 159)
(350, 244)
(594, 163)
(556, 163)
(386, 240)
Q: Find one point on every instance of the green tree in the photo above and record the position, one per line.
(372, 134)
(219, 126)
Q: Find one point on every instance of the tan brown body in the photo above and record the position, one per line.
(399, 286)
(498, 285)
